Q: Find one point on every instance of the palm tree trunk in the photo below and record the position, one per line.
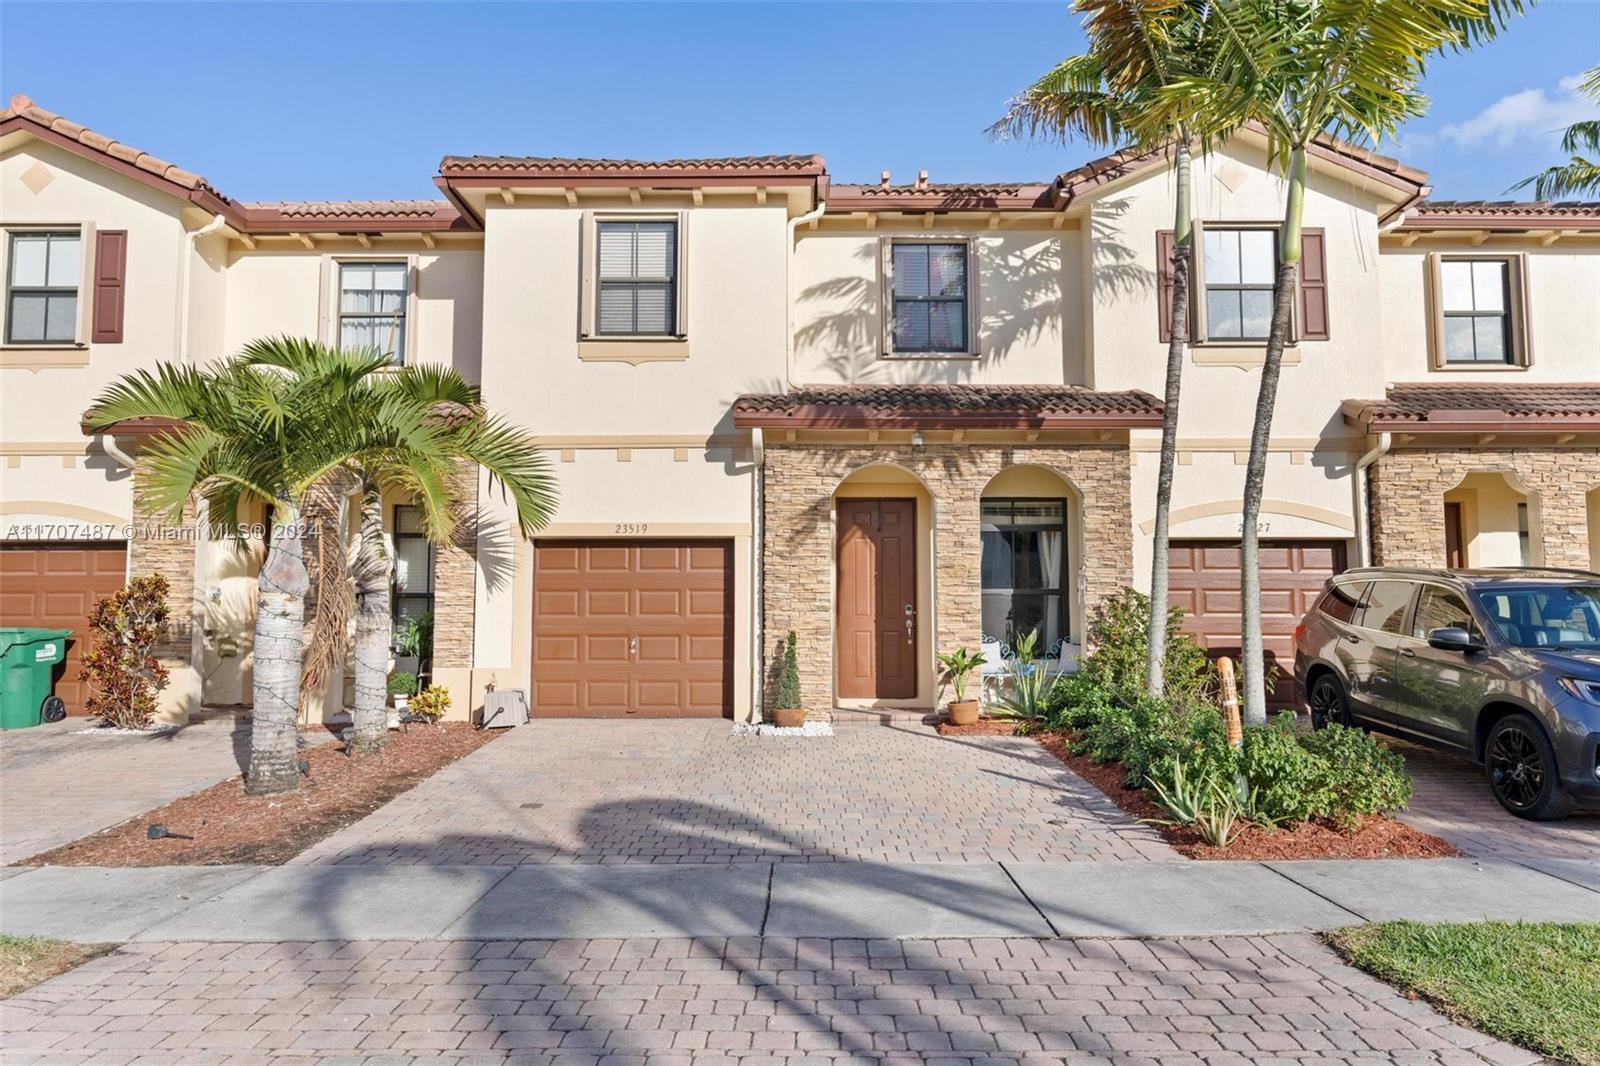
(373, 628)
(1178, 336)
(1252, 654)
(279, 652)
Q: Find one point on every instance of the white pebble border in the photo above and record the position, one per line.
(107, 731)
(767, 729)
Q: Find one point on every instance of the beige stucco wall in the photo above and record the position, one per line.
(49, 473)
(1029, 286)
(1489, 519)
(642, 449)
(1563, 312)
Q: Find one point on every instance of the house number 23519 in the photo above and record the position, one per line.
(632, 529)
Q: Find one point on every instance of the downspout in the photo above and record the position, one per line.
(788, 290)
(758, 455)
(758, 473)
(216, 223)
(1363, 534)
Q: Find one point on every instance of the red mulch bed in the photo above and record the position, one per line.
(1377, 837)
(230, 827)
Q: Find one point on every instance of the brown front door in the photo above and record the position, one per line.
(1455, 550)
(633, 628)
(55, 586)
(877, 641)
(1204, 579)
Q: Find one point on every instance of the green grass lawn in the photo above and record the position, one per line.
(1534, 984)
(27, 960)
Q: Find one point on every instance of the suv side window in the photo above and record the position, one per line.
(1440, 608)
(1385, 606)
(1340, 602)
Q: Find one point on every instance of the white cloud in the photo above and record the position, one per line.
(1521, 117)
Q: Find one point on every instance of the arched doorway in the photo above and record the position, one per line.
(1490, 521)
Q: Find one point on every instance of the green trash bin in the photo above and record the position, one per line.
(28, 657)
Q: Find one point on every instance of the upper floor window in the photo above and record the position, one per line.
(637, 270)
(1475, 299)
(1479, 311)
(929, 296)
(372, 307)
(1240, 269)
(42, 289)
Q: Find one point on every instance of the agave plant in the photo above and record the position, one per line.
(1028, 680)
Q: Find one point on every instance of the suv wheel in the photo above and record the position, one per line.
(1522, 769)
(1327, 702)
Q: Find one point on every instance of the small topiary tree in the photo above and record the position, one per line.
(121, 669)
(789, 680)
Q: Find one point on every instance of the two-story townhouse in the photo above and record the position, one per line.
(890, 418)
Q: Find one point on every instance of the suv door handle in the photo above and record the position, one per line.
(1352, 638)
(1408, 653)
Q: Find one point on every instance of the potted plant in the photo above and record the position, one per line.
(789, 714)
(958, 666)
(402, 686)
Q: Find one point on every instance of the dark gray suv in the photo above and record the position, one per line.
(1502, 666)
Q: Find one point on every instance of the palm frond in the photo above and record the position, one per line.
(516, 466)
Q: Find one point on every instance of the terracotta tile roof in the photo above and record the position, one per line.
(1470, 407)
(1503, 215)
(942, 196)
(354, 208)
(846, 406)
(732, 164)
(23, 108)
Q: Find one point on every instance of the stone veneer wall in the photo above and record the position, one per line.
(455, 579)
(1407, 499)
(798, 534)
(160, 547)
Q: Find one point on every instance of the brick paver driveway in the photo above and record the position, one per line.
(654, 1002)
(60, 785)
(1452, 800)
(668, 791)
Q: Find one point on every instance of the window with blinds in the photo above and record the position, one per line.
(929, 289)
(372, 307)
(637, 265)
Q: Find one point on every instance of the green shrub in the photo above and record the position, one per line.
(789, 680)
(1119, 635)
(1362, 776)
(1287, 782)
(402, 683)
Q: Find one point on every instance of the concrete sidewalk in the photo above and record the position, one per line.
(835, 900)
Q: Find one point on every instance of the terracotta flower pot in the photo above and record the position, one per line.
(963, 712)
(789, 717)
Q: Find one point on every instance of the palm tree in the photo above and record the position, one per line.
(407, 431)
(242, 433)
(1304, 70)
(282, 422)
(1581, 176)
(1136, 47)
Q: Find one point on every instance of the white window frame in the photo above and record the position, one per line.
(1197, 274)
(886, 243)
(589, 277)
(85, 308)
(328, 315)
(1518, 310)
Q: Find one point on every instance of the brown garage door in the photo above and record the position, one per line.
(1205, 583)
(639, 628)
(56, 586)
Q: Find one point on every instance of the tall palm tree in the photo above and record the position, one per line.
(1580, 176)
(1304, 70)
(1135, 48)
(408, 431)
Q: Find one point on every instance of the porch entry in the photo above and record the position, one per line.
(876, 640)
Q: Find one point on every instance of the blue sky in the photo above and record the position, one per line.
(355, 100)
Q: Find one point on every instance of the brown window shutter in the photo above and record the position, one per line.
(1313, 286)
(1164, 246)
(110, 284)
